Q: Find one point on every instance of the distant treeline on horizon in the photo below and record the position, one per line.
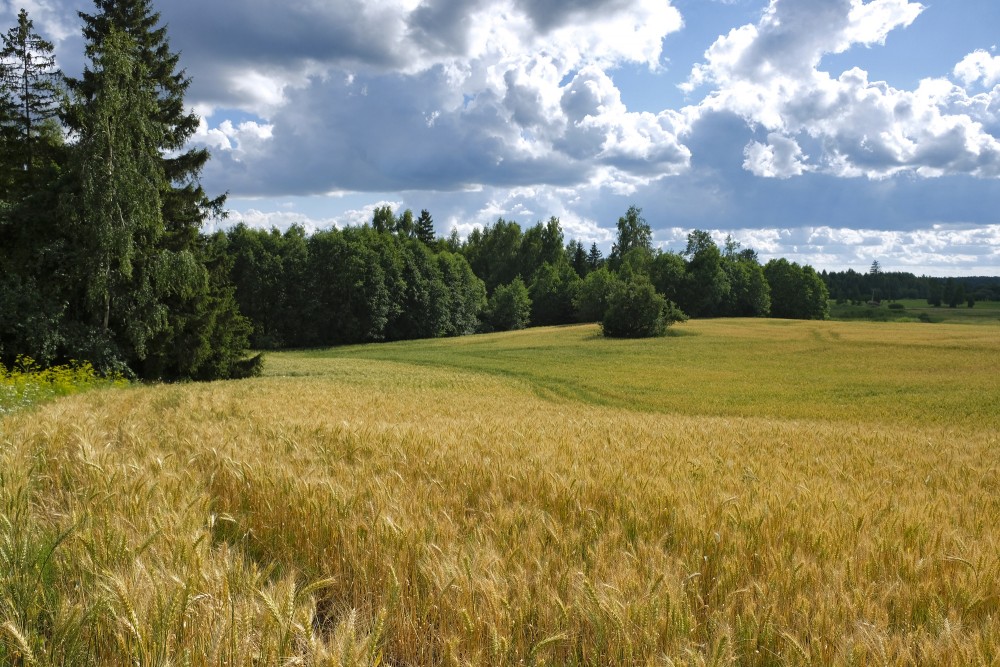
(394, 279)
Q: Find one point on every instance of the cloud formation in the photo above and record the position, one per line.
(454, 95)
(979, 67)
(483, 108)
(507, 93)
(769, 74)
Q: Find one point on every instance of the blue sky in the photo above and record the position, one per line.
(831, 132)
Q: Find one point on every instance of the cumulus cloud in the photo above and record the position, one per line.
(242, 140)
(494, 92)
(979, 67)
(768, 74)
(296, 43)
(49, 16)
(780, 157)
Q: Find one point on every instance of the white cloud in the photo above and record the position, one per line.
(769, 75)
(50, 18)
(781, 157)
(938, 250)
(529, 205)
(871, 22)
(494, 92)
(243, 140)
(979, 67)
(454, 94)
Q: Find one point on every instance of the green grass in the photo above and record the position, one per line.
(839, 371)
(917, 310)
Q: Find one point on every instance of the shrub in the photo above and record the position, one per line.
(896, 306)
(636, 310)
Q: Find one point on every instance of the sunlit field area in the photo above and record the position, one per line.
(741, 492)
(917, 310)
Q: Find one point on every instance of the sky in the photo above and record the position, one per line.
(829, 132)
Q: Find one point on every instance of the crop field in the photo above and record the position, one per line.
(741, 492)
(917, 310)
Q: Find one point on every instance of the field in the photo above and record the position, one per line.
(742, 492)
(917, 310)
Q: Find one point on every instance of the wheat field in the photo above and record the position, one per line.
(739, 493)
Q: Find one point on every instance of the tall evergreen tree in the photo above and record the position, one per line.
(595, 258)
(31, 237)
(32, 82)
(425, 228)
(30, 143)
(577, 256)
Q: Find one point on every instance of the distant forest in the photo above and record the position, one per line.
(394, 279)
(853, 287)
(103, 257)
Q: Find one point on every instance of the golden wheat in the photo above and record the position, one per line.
(351, 510)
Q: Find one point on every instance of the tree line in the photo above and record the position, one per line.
(101, 211)
(876, 285)
(394, 279)
(359, 284)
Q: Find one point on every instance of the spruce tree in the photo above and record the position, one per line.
(595, 258)
(32, 238)
(425, 228)
(31, 83)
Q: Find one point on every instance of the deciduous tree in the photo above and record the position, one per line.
(707, 285)
(797, 292)
(509, 307)
(633, 232)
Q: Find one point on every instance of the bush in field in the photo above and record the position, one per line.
(636, 310)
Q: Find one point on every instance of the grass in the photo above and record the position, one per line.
(740, 493)
(880, 373)
(917, 310)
